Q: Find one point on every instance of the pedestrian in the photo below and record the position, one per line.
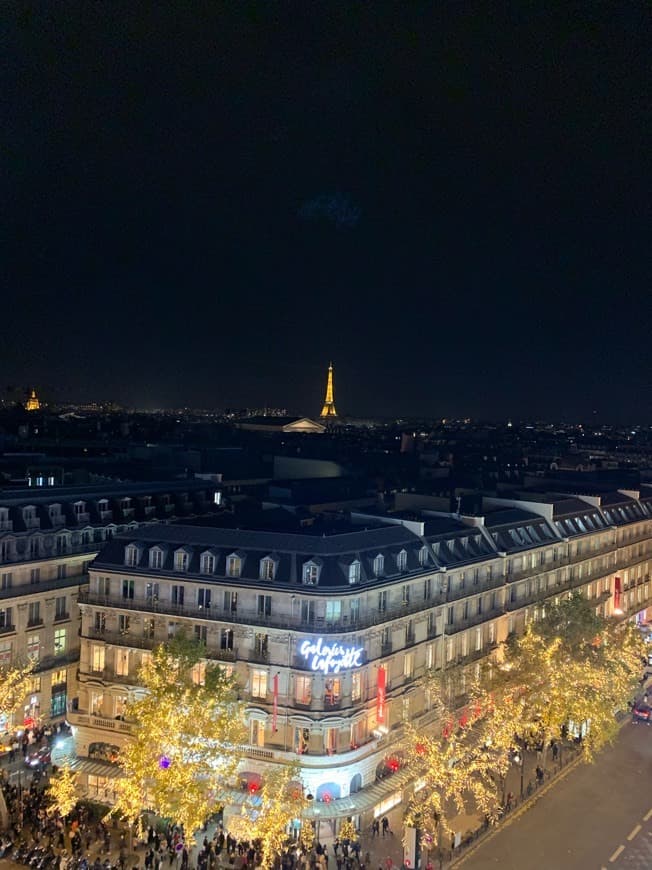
(385, 825)
(375, 828)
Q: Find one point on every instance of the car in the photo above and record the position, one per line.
(641, 713)
(38, 757)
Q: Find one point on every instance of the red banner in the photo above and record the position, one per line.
(617, 594)
(380, 698)
(275, 703)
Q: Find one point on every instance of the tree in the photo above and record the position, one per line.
(571, 668)
(14, 685)
(462, 764)
(63, 792)
(348, 831)
(188, 727)
(267, 815)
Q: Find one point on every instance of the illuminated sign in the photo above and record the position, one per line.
(330, 658)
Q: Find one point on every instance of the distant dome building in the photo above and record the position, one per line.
(32, 403)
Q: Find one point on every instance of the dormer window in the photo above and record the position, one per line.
(207, 563)
(423, 556)
(401, 560)
(132, 554)
(79, 507)
(181, 560)
(54, 512)
(310, 574)
(156, 557)
(233, 565)
(267, 568)
(354, 572)
(379, 565)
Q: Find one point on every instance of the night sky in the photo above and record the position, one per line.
(204, 203)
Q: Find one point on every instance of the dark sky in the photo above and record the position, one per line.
(204, 203)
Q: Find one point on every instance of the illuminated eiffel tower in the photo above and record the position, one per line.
(329, 402)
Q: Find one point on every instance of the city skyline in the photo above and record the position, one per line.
(448, 203)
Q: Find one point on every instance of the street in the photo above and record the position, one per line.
(599, 816)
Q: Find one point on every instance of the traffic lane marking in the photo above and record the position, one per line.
(615, 855)
(634, 832)
(647, 816)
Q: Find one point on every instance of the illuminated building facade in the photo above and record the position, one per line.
(32, 404)
(328, 635)
(48, 538)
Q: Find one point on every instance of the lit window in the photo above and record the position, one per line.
(5, 653)
(401, 561)
(303, 690)
(356, 686)
(408, 665)
(131, 555)
(181, 560)
(310, 574)
(59, 641)
(379, 565)
(98, 654)
(259, 683)
(155, 558)
(233, 565)
(207, 563)
(33, 647)
(333, 611)
(122, 662)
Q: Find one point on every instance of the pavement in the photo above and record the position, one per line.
(599, 816)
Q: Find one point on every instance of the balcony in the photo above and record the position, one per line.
(468, 591)
(7, 629)
(91, 720)
(473, 619)
(260, 656)
(133, 641)
(45, 586)
(295, 623)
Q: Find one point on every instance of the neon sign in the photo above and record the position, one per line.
(330, 658)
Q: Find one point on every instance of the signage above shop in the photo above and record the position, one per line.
(330, 657)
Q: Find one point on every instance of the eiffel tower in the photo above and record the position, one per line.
(329, 402)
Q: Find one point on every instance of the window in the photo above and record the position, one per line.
(405, 704)
(198, 673)
(61, 572)
(301, 740)
(409, 632)
(60, 607)
(156, 557)
(207, 565)
(408, 665)
(401, 561)
(379, 565)
(257, 731)
(430, 656)
(177, 595)
(354, 609)
(307, 612)
(492, 632)
(230, 601)
(6, 615)
(181, 560)
(226, 638)
(204, 599)
(35, 576)
(151, 592)
(354, 572)
(104, 586)
(6, 581)
(405, 594)
(128, 587)
(356, 685)
(450, 616)
(59, 641)
(58, 703)
(201, 634)
(310, 574)
(432, 624)
(478, 639)
(100, 621)
(258, 683)
(131, 555)
(5, 653)
(122, 662)
(233, 565)
(264, 605)
(261, 645)
(97, 702)
(34, 613)
(333, 611)
(382, 601)
(267, 569)
(427, 589)
(60, 677)
(97, 658)
(423, 556)
(124, 622)
(149, 626)
(33, 647)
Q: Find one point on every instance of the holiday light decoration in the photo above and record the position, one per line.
(63, 792)
(348, 831)
(571, 670)
(461, 765)
(267, 817)
(183, 752)
(14, 685)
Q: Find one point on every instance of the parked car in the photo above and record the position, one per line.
(38, 757)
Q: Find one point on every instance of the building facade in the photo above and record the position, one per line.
(328, 636)
(48, 538)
